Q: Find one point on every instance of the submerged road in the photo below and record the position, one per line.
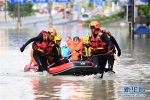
(131, 81)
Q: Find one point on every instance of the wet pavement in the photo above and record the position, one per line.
(132, 72)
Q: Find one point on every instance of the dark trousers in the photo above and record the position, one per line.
(99, 64)
(41, 61)
(111, 60)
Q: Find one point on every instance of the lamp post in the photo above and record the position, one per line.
(132, 19)
(5, 11)
(19, 21)
(65, 10)
(79, 9)
(50, 14)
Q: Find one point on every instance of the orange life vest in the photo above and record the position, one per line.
(97, 45)
(74, 47)
(41, 47)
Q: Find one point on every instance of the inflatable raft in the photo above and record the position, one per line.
(71, 68)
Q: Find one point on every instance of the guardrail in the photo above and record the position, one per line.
(37, 16)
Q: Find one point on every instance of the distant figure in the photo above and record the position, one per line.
(34, 24)
(122, 24)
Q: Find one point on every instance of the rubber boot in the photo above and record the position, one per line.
(40, 69)
(111, 70)
(102, 73)
(95, 71)
(107, 69)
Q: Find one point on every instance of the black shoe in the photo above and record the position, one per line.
(113, 71)
(48, 70)
(101, 75)
(107, 69)
(39, 70)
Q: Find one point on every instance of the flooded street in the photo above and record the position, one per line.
(15, 84)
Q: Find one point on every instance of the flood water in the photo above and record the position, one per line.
(15, 84)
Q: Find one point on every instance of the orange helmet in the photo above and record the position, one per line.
(53, 31)
(95, 24)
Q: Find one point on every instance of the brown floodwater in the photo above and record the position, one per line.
(15, 84)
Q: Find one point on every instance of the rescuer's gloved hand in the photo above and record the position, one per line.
(114, 51)
(77, 51)
(119, 53)
(59, 63)
(22, 48)
(66, 60)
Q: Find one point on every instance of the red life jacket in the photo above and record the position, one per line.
(97, 45)
(41, 47)
(49, 48)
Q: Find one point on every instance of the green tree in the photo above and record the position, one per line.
(144, 10)
(25, 10)
(90, 5)
(149, 4)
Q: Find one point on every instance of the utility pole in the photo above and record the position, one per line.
(79, 12)
(71, 10)
(5, 11)
(50, 14)
(79, 9)
(19, 21)
(132, 19)
(65, 10)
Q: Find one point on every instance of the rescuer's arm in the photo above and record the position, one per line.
(116, 45)
(38, 38)
(106, 39)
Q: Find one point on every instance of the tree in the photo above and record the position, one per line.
(25, 10)
(90, 5)
(149, 4)
(144, 10)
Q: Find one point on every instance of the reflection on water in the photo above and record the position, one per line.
(14, 83)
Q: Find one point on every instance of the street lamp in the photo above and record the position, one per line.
(19, 21)
(5, 10)
(50, 14)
